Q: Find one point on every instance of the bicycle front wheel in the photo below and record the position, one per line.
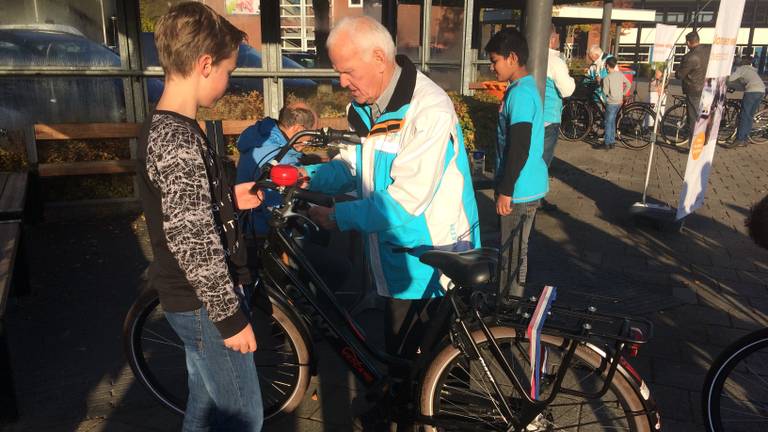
(759, 133)
(457, 394)
(156, 356)
(634, 126)
(674, 124)
(735, 394)
(576, 120)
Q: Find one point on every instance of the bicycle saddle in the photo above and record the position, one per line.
(470, 268)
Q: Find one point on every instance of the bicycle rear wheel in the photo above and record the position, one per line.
(735, 394)
(156, 356)
(729, 122)
(455, 391)
(674, 124)
(576, 120)
(759, 133)
(634, 128)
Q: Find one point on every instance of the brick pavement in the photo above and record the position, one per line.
(702, 286)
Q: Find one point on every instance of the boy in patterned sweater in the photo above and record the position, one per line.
(199, 267)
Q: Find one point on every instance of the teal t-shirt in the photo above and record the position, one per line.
(522, 104)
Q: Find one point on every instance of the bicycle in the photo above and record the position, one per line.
(734, 392)
(677, 131)
(464, 377)
(582, 116)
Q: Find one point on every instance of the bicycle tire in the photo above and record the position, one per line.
(637, 409)
(729, 123)
(576, 120)
(674, 124)
(633, 128)
(759, 132)
(728, 391)
(148, 357)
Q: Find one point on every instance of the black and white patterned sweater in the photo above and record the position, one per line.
(192, 224)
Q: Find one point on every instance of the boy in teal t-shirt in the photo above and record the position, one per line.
(521, 173)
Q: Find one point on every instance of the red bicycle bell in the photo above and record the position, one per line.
(284, 175)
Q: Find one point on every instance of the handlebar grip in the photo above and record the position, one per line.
(315, 198)
(341, 135)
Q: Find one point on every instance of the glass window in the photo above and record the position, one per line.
(408, 30)
(447, 77)
(305, 24)
(326, 97)
(659, 16)
(676, 17)
(243, 14)
(88, 26)
(446, 31)
(25, 100)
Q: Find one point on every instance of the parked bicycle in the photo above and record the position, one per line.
(584, 115)
(676, 130)
(471, 372)
(735, 393)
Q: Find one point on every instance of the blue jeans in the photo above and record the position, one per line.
(610, 123)
(515, 230)
(551, 132)
(224, 392)
(749, 105)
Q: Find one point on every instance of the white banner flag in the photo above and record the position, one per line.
(663, 43)
(711, 107)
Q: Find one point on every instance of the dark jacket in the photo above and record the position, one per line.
(258, 144)
(693, 68)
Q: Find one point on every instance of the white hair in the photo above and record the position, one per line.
(366, 33)
(595, 49)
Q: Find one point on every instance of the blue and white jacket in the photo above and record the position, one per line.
(414, 186)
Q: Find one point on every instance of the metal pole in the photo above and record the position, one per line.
(617, 40)
(468, 55)
(389, 17)
(538, 21)
(426, 25)
(752, 28)
(606, 27)
(103, 22)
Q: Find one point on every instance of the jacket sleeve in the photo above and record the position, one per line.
(416, 173)
(517, 149)
(337, 176)
(563, 81)
(689, 63)
(175, 165)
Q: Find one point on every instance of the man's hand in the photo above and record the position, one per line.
(503, 205)
(244, 199)
(321, 216)
(303, 175)
(244, 341)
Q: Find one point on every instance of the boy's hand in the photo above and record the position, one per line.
(245, 341)
(321, 216)
(503, 205)
(244, 199)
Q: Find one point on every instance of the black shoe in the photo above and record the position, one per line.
(740, 143)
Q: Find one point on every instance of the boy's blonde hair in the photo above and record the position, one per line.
(190, 30)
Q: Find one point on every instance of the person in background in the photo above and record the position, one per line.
(754, 91)
(521, 173)
(615, 86)
(692, 70)
(261, 142)
(597, 70)
(559, 85)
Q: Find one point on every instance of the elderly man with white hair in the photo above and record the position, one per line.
(411, 175)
